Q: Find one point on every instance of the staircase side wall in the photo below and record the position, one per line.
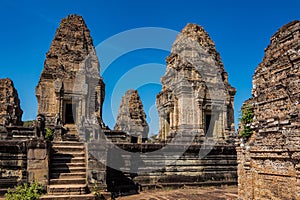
(13, 164)
(23, 161)
(38, 161)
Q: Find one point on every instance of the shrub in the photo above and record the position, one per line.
(49, 134)
(246, 120)
(26, 192)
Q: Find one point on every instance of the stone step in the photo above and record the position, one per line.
(67, 155)
(22, 137)
(68, 181)
(67, 175)
(71, 136)
(71, 132)
(71, 129)
(68, 170)
(70, 126)
(69, 197)
(67, 143)
(69, 159)
(71, 189)
(6, 183)
(68, 148)
(67, 164)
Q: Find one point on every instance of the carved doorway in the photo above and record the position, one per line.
(69, 113)
(210, 122)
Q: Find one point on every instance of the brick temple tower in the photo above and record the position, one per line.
(70, 86)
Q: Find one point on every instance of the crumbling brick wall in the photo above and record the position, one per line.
(269, 161)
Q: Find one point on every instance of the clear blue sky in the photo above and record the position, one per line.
(241, 30)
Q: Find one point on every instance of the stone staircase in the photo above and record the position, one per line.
(71, 134)
(67, 172)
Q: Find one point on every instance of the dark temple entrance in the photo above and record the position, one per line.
(209, 124)
(69, 113)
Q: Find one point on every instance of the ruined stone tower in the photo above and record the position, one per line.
(132, 118)
(269, 161)
(10, 110)
(196, 95)
(70, 86)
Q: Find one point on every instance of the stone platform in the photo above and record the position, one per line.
(217, 168)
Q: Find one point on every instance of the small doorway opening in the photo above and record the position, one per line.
(69, 113)
(209, 125)
(134, 139)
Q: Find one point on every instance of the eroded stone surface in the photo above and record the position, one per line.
(13, 162)
(38, 161)
(131, 117)
(269, 161)
(196, 96)
(70, 86)
(10, 109)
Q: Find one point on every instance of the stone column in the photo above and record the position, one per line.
(200, 119)
(175, 115)
(38, 161)
(84, 107)
(160, 128)
(221, 125)
(80, 109)
(165, 129)
(197, 112)
(171, 119)
(61, 108)
(186, 109)
(225, 119)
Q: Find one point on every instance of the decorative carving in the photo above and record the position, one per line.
(57, 120)
(195, 77)
(40, 126)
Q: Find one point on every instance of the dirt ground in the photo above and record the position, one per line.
(209, 193)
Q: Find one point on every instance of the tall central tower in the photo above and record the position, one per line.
(70, 87)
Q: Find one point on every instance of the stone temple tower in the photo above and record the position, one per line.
(132, 118)
(196, 96)
(10, 109)
(70, 87)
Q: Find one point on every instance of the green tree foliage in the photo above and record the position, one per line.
(246, 120)
(26, 192)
